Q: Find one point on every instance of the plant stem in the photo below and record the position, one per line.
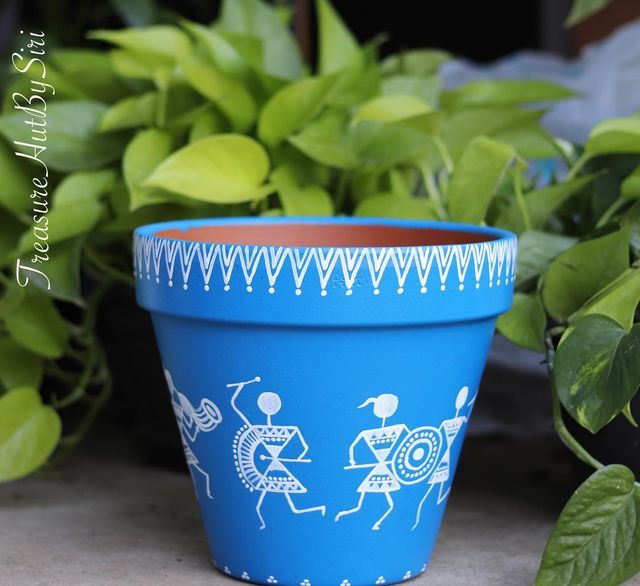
(565, 435)
(107, 269)
(583, 159)
(522, 204)
(610, 212)
(444, 153)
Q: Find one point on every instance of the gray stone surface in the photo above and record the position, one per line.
(107, 520)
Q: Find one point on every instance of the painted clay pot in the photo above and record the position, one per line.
(322, 373)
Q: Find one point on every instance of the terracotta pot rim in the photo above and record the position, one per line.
(323, 233)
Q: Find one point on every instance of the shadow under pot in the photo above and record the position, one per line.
(322, 373)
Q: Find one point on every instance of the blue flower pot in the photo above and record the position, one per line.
(322, 373)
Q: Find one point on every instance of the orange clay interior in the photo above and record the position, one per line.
(323, 235)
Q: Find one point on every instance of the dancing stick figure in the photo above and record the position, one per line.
(191, 421)
(261, 452)
(450, 428)
(381, 441)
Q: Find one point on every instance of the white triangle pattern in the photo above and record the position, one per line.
(479, 264)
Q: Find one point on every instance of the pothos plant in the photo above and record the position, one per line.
(182, 120)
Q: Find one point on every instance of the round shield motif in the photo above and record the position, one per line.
(417, 455)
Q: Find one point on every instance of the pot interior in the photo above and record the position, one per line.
(324, 235)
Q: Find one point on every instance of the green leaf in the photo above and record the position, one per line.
(206, 123)
(16, 185)
(10, 299)
(29, 432)
(525, 323)
(631, 221)
(138, 13)
(596, 534)
(226, 168)
(582, 271)
(618, 300)
(425, 88)
(338, 48)
(36, 325)
(142, 156)
(530, 141)
(130, 113)
(11, 231)
(163, 41)
(417, 62)
(293, 107)
(298, 199)
(536, 250)
(597, 369)
(91, 73)
(230, 96)
(62, 271)
(464, 125)
(379, 146)
(616, 135)
(83, 186)
(72, 139)
(504, 92)
(630, 187)
(324, 140)
(583, 9)
(391, 205)
(255, 20)
(19, 367)
(135, 65)
(540, 204)
(476, 178)
(391, 109)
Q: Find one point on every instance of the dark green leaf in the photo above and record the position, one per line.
(582, 271)
(525, 323)
(594, 536)
(597, 369)
(136, 13)
(16, 185)
(540, 204)
(536, 250)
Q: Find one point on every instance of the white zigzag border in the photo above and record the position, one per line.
(149, 252)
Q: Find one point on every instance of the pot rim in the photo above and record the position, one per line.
(486, 233)
(326, 285)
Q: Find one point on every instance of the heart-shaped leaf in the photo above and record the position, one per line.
(130, 112)
(226, 168)
(29, 432)
(596, 369)
(595, 541)
(293, 107)
(582, 271)
(419, 62)
(391, 108)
